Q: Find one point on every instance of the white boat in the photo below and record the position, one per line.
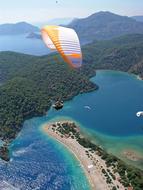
(140, 113)
(87, 107)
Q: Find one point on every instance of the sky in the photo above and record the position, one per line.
(33, 11)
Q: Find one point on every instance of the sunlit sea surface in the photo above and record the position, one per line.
(22, 44)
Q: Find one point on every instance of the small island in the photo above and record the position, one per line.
(104, 171)
(58, 105)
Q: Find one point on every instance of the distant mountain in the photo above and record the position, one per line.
(18, 28)
(105, 25)
(123, 53)
(138, 18)
(56, 21)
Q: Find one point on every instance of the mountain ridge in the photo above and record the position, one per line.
(105, 25)
(17, 28)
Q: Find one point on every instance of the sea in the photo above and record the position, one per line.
(22, 44)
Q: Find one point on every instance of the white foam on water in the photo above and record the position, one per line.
(4, 185)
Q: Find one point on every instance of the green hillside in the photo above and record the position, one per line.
(30, 84)
(123, 53)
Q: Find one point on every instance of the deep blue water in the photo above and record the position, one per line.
(111, 120)
(21, 44)
(39, 162)
(112, 108)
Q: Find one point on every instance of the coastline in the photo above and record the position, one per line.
(91, 163)
(96, 87)
(45, 129)
(7, 140)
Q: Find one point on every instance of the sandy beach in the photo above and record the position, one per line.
(91, 163)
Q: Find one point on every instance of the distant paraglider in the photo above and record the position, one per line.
(140, 113)
(65, 41)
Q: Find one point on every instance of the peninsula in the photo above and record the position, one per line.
(103, 170)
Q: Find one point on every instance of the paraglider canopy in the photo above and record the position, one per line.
(65, 41)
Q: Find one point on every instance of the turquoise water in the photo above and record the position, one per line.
(109, 120)
(39, 162)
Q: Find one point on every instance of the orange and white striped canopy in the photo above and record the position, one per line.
(65, 41)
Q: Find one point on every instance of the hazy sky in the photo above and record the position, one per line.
(42, 10)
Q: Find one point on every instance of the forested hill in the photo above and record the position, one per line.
(30, 84)
(11, 63)
(122, 53)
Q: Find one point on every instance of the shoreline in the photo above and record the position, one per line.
(74, 154)
(66, 100)
(91, 183)
(93, 166)
(70, 150)
(139, 78)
